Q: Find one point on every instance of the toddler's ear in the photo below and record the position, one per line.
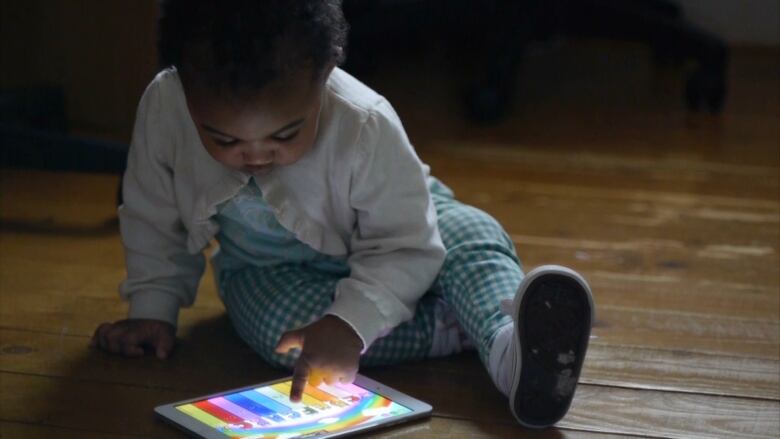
(329, 69)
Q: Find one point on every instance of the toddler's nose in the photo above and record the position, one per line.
(256, 155)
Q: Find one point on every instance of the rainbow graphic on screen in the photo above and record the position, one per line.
(266, 412)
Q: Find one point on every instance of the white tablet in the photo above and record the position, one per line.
(265, 411)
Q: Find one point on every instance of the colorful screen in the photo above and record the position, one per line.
(266, 412)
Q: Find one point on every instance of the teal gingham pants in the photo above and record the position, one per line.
(481, 269)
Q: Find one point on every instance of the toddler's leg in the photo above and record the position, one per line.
(480, 271)
(534, 345)
(263, 303)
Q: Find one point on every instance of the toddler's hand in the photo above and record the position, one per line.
(330, 352)
(129, 337)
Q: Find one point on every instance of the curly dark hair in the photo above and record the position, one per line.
(241, 46)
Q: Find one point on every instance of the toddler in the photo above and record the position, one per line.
(336, 247)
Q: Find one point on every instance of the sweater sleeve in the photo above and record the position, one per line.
(395, 250)
(161, 275)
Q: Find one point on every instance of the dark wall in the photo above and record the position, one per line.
(101, 53)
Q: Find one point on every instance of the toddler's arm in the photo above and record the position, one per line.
(161, 275)
(395, 255)
(395, 250)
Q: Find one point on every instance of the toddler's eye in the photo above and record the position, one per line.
(225, 142)
(286, 137)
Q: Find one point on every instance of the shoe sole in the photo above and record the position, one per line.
(553, 317)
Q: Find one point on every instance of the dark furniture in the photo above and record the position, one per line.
(501, 29)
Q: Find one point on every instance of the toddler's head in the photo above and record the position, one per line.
(253, 72)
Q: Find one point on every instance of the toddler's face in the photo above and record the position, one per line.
(275, 128)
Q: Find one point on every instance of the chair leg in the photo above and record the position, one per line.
(511, 26)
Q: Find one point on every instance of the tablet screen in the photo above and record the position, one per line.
(266, 412)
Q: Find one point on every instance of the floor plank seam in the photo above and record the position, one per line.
(678, 313)
(640, 387)
(599, 343)
(36, 331)
(619, 346)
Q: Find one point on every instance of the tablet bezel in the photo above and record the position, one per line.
(419, 409)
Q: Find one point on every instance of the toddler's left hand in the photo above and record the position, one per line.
(330, 352)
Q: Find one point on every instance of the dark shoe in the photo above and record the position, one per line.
(553, 312)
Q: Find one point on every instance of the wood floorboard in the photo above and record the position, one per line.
(615, 325)
(637, 271)
(618, 366)
(671, 178)
(682, 371)
(68, 403)
(622, 273)
(434, 428)
(745, 256)
(668, 290)
(12, 430)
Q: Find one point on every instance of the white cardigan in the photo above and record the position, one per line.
(361, 192)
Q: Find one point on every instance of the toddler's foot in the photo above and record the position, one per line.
(537, 361)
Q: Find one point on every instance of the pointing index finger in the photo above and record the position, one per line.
(299, 379)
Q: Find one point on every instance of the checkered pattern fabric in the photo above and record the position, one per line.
(480, 270)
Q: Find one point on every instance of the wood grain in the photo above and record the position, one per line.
(682, 371)
(11, 430)
(435, 428)
(617, 366)
(68, 403)
(615, 325)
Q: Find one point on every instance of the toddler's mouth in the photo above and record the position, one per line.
(257, 169)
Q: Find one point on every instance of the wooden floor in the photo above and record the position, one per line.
(674, 221)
